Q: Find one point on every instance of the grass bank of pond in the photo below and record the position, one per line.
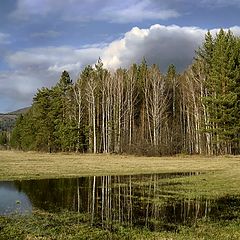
(217, 184)
(222, 173)
(69, 226)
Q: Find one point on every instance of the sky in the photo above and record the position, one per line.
(41, 38)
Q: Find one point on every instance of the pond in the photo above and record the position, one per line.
(134, 200)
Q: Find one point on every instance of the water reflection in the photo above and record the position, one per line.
(138, 200)
(12, 200)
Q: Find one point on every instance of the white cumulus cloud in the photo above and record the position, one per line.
(158, 44)
(37, 67)
(162, 45)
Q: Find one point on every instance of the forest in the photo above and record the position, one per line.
(140, 110)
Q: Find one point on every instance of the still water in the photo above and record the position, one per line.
(134, 200)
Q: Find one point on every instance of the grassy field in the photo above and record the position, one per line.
(32, 165)
(221, 177)
(222, 173)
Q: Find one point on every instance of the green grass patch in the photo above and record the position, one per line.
(67, 225)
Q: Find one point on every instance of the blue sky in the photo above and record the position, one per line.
(41, 38)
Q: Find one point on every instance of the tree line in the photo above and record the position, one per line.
(140, 110)
(6, 125)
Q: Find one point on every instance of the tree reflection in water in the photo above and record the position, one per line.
(137, 200)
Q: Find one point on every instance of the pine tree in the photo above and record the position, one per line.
(63, 111)
(219, 57)
(44, 120)
(16, 140)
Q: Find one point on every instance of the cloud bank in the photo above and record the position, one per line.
(4, 38)
(108, 10)
(220, 3)
(34, 68)
(114, 11)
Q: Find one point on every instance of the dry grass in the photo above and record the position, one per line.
(29, 165)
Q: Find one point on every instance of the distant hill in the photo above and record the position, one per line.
(19, 111)
(7, 120)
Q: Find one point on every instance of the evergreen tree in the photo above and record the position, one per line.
(16, 139)
(44, 121)
(63, 113)
(3, 138)
(220, 66)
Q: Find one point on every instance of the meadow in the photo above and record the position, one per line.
(220, 177)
